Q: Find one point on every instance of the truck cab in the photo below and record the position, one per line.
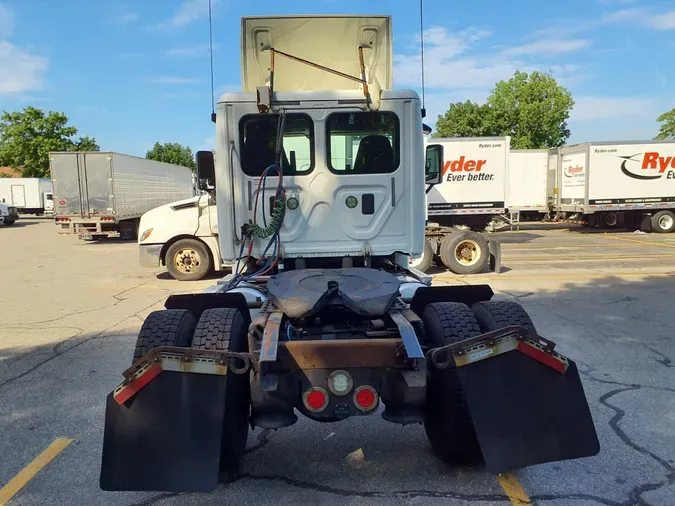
(183, 236)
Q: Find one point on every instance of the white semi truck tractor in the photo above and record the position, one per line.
(322, 316)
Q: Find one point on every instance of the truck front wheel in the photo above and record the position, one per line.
(423, 263)
(465, 252)
(188, 260)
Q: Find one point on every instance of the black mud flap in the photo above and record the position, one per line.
(527, 413)
(167, 436)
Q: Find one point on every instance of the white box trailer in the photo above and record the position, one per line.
(100, 194)
(30, 195)
(611, 184)
(527, 190)
(473, 181)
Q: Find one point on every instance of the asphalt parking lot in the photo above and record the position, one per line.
(70, 311)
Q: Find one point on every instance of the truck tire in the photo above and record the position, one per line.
(9, 223)
(447, 420)
(188, 260)
(225, 329)
(465, 252)
(609, 220)
(663, 222)
(424, 262)
(168, 327)
(497, 314)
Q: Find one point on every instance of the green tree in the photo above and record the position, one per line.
(463, 119)
(27, 137)
(667, 130)
(172, 152)
(533, 109)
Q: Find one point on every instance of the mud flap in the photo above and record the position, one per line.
(167, 436)
(526, 412)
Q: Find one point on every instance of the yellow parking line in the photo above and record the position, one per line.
(29, 472)
(552, 258)
(514, 491)
(639, 241)
(504, 277)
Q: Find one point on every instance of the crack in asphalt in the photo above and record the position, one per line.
(663, 359)
(77, 345)
(263, 439)
(635, 495)
(586, 374)
(155, 499)
(396, 494)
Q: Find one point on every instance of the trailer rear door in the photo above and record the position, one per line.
(18, 195)
(97, 183)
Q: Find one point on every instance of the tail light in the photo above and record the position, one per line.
(315, 399)
(107, 218)
(366, 398)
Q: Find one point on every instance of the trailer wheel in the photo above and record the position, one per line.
(663, 222)
(497, 314)
(9, 223)
(610, 220)
(168, 327)
(447, 420)
(465, 252)
(225, 329)
(187, 260)
(423, 263)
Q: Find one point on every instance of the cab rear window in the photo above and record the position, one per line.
(258, 140)
(363, 142)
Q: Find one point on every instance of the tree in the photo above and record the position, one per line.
(533, 109)
(27, 137)
(463, 119)
(667, 130)
(172, 152)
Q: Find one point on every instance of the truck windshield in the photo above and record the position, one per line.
(258, 140)
(363, 142)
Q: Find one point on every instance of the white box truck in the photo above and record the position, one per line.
(473, 181)
(527, 191)
(103, 194)
(618, 184)
(30, 195)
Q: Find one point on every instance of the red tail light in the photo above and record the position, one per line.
(315, 399)
(366, 398)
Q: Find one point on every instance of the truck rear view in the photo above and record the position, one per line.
(103, 194)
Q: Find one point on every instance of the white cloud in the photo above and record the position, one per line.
(548, 47)
(665, 21)
(189, 51)
(172, 80)
(6, 22)
(187, 12)
(127, 17)
(623, 15)
(21, 70)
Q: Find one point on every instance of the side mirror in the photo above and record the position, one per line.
(206, 170)
(433, 164)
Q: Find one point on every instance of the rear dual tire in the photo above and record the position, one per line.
(448, 422)
(221, 329)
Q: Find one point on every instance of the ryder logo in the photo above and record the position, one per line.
(466, 170)
(573, 170)
(650, 166)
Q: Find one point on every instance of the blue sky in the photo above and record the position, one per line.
(134, 72)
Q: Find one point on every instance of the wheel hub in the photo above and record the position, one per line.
(665, 222)
(187, 260)
(467, 252)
